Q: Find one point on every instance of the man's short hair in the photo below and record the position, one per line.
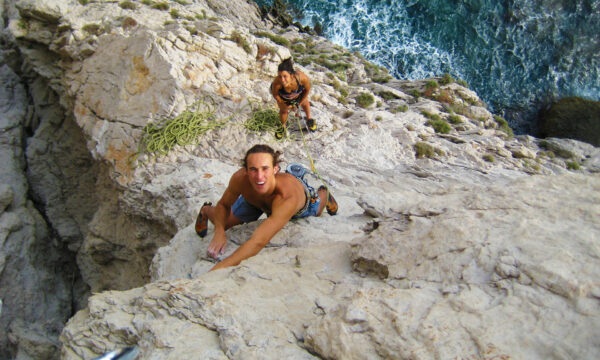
(286, 65)
(261, 148)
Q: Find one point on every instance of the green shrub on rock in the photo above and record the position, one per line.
(277, 39)
(241, 41)
(440, 126)
(423, 149)
(455, 119)
(503, 125)
(573, 165)
(447, 79)
(160, 6)
(489, 158)
(365, 100)
(128, 5)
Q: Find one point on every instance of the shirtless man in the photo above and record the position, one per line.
(256, 188)
(290, 89)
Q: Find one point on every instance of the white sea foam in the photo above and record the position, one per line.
(514, 54)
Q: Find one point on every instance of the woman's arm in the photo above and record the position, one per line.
(305, 82)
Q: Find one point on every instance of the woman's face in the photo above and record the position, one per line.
(286, 78)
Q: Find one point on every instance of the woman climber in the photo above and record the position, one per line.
(290, 89)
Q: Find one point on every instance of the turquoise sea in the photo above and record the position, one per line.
(518, 55)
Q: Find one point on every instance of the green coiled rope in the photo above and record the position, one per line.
(185, 129)
(263, 119)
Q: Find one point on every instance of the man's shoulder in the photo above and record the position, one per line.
(239, 177)
(287, 181)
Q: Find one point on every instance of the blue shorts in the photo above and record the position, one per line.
(246, 212)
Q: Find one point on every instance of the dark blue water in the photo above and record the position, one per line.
(516, 54)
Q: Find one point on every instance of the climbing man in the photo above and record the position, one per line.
(290, 89)
(256, 188)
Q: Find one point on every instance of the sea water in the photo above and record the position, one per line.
(518, 55)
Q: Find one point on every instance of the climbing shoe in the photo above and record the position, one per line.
(331, 205)
(311, 124)
(202, 221)
(280, 133)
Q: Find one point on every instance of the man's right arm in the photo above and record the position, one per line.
(220, 215)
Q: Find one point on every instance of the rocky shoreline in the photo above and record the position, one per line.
(455, 238)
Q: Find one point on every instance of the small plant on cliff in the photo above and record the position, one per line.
(84, 2)
(192, 30)
(423, 149)
(489, 158)
(573, 165)
(447, 79)
(461, 109)
(388, 95)
(333, 66)
(365, 100)
(378, 74)
(431, 84)
(160, 6)
(128, 5)
(430, 88)
(401, 108)
(277, 39)
(455, 119)
(440, 126)
(445, 97)
(239, 39)
(201, 16)
(531, 165)
(547, 154)
(299, 48)
(147, 2)
(503, 125)
(431, 116)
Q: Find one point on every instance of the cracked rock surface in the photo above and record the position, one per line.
(465, 243)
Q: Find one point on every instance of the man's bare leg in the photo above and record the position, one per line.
(323, 197)
(231, 219)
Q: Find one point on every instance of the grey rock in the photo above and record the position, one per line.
(506, 248)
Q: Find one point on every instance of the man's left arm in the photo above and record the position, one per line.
(282, 212)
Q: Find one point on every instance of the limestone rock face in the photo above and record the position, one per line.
(35, 299)
(453, 239)
(456, 271)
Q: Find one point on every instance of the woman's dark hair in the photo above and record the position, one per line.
(260, 148)
(286, 65)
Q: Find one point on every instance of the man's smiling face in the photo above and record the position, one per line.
(261, 172)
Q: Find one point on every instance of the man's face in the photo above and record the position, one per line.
(261, 172)
(286, 78)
